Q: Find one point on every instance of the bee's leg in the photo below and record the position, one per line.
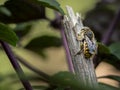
(79, 52)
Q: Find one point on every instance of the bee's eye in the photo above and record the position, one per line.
(89, 34)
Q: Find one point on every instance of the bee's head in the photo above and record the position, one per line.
(88, 32)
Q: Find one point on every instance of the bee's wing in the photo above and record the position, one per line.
(95, 45)
(91, 45)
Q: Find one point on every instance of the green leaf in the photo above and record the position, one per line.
(114, 77)
(64, 79)
(105, 54)
(59, 88)
(43, 42)
(22, 29)
(7, 34)
(108, 53)
(102, 49)
(115, 49)
(37, 88)
(38, 44)
(107, 87)
(5, 11)
(67, 80)
(112, 59)
(53, 4)
(17, 11)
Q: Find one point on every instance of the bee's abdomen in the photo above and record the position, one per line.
(87, 54)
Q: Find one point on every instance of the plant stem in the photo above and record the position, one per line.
(68, 56)
(59, 25)
(69, 60)
(109, 32)
(44, 75)
(16, 66)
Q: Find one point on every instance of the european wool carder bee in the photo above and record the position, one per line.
(88, 43)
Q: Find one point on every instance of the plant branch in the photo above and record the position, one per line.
(83, 67)
(65, 44)
(16, 66)
(21, 60)
(107, 35)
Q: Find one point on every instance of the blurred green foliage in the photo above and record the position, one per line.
(32, 24)
(7, 35)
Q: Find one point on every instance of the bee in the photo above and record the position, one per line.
(88, 43)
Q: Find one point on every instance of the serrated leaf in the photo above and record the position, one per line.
(115, 49)
(53, 4)
(7, 34)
